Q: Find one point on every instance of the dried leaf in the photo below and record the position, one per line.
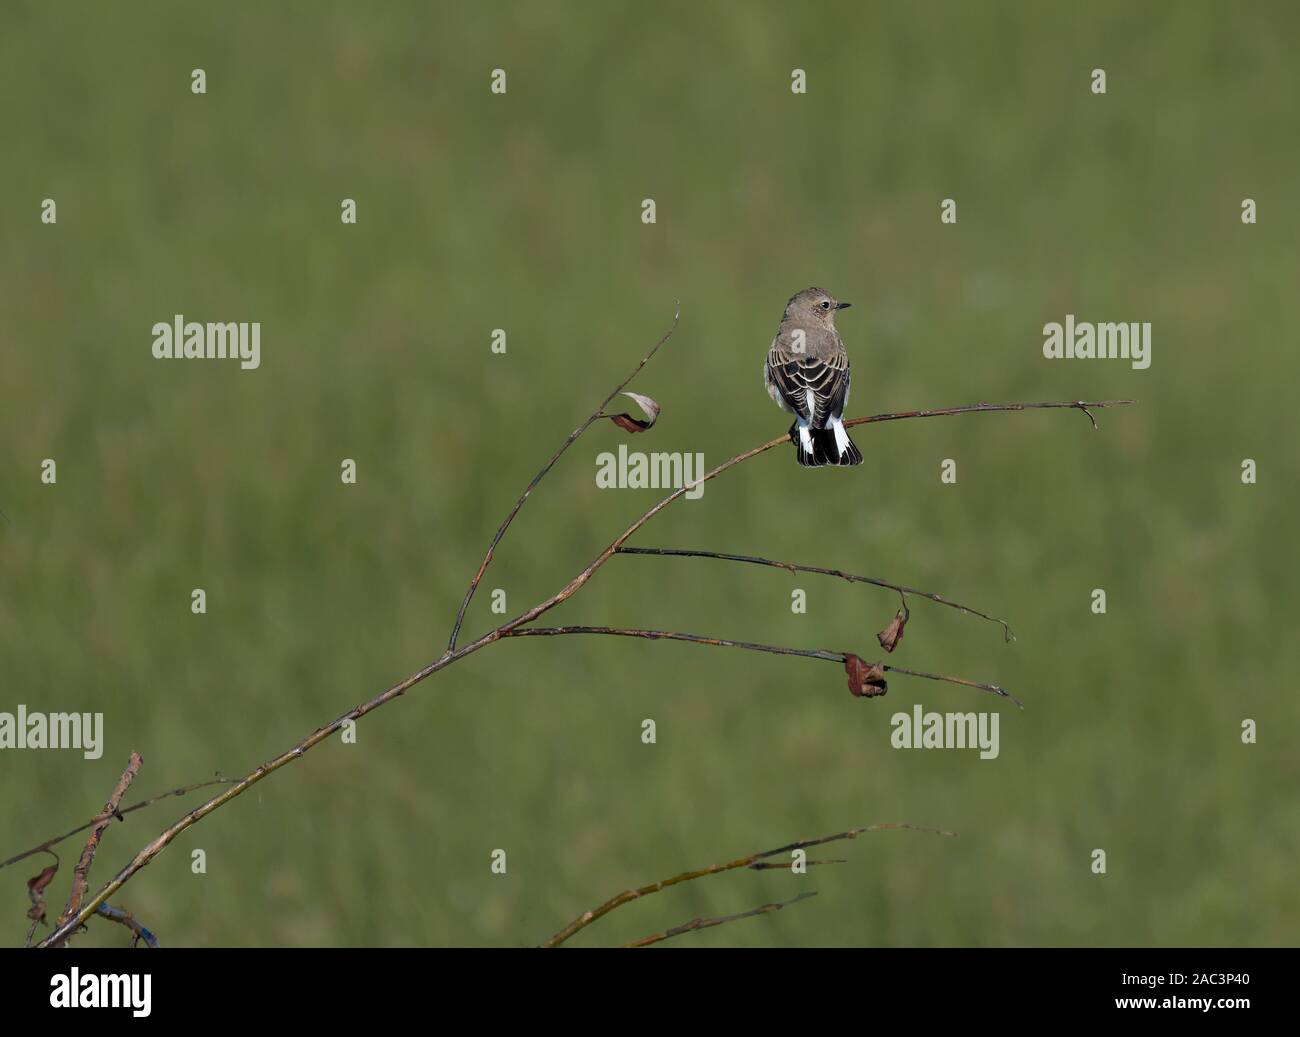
(892, 634)
(36, 891)
(866, 680)
(648, 406)
(630, 424)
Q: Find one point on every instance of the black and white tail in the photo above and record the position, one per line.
(816, 447)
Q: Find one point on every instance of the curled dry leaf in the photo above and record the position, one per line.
(892, 634)
(36, 891)
(630, 424)
(866, 680)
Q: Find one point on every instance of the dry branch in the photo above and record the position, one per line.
(708, 923)
(595, 416)
(454, 654)
(81, 872)
(116, 914)
(718, 642)
(753, 860)
(45, 846)
(796, 568)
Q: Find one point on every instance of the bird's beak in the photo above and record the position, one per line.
(843, 305)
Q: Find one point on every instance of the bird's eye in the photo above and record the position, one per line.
(825, 304)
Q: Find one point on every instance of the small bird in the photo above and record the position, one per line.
(807, 374)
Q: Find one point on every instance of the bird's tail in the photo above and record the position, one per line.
(816, 447)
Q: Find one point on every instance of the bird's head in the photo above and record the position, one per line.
(814, 306)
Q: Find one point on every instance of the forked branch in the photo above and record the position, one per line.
(138, 931)
(850, 577)
(757, 861)
(170, 793)
(719, 642)
(453, 653)
(80, 874)
(595, 416)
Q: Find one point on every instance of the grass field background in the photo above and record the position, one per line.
(522, 212)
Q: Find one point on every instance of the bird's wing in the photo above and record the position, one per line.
(815, 388)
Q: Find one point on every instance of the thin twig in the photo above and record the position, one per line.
(793, 567)
(673, 635)
(587, 917)
(125, 810)
(596, 415)
(992, 689)
(116, 914)
(82, 870)
(719, 642)
(709, 923)
(974, 408)
(242, 785)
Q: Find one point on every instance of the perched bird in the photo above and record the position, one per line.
(807, 374)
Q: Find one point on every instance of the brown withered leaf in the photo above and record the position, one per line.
(36, 891)
(866, 680)
(630, 424)
(892, 634)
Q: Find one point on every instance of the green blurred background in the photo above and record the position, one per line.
(522, 212)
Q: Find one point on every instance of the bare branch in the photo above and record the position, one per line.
(750, 861)
(116, 914)
(82, 870)
(979, 408)
(718, 642)
(793, 567)
(992, 689)
(453, 654)
(709, 923)
(596, 415)
(45, 846)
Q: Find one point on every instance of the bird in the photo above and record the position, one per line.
(807, 374)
